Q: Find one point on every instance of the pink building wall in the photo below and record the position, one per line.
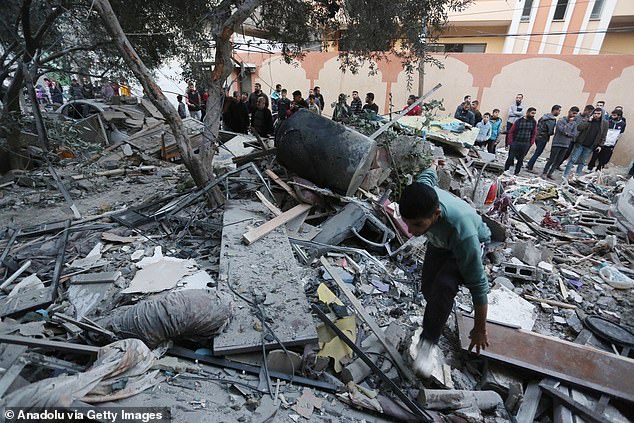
(494, 79)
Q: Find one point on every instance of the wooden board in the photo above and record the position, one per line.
(267, 267)
(261, 231)
(578, 364)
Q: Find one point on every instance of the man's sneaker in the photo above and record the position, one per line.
(531, 170)
(425, 360)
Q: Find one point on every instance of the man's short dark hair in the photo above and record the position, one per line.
(355, 91)
(520, 94)
(466, 97)
(588, 108)
(317, 88)
(555, 107)
(531, 109)
(297, 92)
(598, 109)
(311, 96)
(617, 112)
(278, 85)
(601, 101)
(574, 109)
(486, 114)
(179, 97)
(284, 90)
(418, 201)
(370, 96)
(496, 110)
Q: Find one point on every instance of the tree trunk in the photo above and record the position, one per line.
(35, 106)
(17, 158)
(199, 163)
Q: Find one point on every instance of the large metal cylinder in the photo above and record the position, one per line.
(325, 152)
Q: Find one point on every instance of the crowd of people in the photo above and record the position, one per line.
(51, 91)
(243, 111)
(584, 138)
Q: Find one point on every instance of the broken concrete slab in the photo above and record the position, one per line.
(505, 306)
(267, 269)
(527, 253)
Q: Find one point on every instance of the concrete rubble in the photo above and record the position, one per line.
(223, 308)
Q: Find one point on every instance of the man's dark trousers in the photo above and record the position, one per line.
(539, 149)
(517, 151)
(440, 281)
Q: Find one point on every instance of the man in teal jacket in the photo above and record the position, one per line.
(455, 233)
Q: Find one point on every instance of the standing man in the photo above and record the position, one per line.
(496, 124)
(356, 106)
(88, 89)
(592, 133)
(454, 257)
(520, 138)
(253, 97)
(465, 99)
(283, 104)
(616, 127)
(515, 112)
(75, 90)
(545, 129)
(194, 102)
(298, 102)
(275, 97)
(369, 105)
(484, 131)
(601, 105)
(261, 119)
(566, 131)
(181, 107)
(465, 114)
(319, 98)
(475, 108)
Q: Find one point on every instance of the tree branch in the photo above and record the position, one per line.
(70, 50)
(26, 29)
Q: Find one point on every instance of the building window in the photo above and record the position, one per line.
(597, 9)
(526, 11)
(560, 10)
(457, 48)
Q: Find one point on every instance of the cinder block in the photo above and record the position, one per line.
(518, 271)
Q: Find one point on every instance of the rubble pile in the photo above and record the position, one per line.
(298, 298)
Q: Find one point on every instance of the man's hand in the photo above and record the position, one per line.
(479, 340)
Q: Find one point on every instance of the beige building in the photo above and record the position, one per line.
(542, 27)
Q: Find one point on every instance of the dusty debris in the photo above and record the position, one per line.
(560, 253)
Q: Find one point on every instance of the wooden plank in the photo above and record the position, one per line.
(394, 354)
(256, 233)
(528, 408)
(578, 364)
(272, 207)
(265, 268)
(283, 184)
(550, 302)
